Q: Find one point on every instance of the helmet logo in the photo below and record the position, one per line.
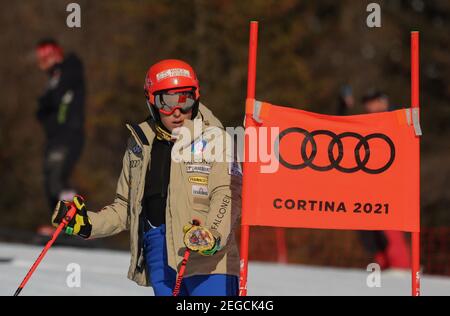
(174, 72)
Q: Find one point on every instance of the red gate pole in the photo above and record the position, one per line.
(415, 104)
(245, 229)
(280, 233)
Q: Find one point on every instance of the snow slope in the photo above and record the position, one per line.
(103, 272)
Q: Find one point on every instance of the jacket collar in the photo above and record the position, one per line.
(144, 134)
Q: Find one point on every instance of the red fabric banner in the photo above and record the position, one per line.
(331, 172)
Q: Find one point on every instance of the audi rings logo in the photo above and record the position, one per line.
(335, 159)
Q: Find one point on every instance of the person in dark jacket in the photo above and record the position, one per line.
(61, 114)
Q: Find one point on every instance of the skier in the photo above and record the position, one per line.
(61, 114)
(159, 199)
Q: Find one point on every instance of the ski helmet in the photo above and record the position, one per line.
(171, 84)
(47, 49)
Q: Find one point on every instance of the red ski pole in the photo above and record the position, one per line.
(180, 276)
(70, 214)
(187, 252)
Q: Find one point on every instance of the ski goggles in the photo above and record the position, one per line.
(167, 102)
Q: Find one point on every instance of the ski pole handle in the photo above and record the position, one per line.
(187, 252)
(65, 221)
(70, 214)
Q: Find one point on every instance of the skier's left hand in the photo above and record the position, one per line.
(201, 239)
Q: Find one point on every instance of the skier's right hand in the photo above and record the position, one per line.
(80, 224)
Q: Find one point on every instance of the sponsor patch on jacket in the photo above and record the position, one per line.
(199, 190)
(196, 168)
(198, 180)
(136, 149)
(234, 169)
(198, 146)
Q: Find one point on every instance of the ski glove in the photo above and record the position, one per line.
(80, 224)
(200, 239)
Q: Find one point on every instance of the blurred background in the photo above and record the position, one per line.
(308, 50)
